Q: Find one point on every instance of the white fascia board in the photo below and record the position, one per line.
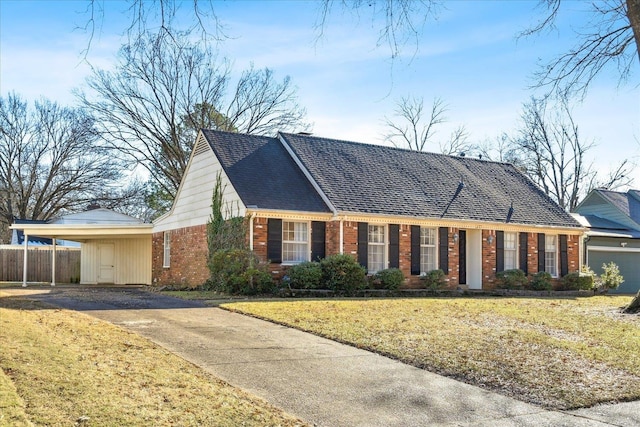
(611, 249)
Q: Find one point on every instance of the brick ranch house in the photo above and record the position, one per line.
(308, 197)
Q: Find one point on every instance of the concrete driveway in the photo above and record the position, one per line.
(318, 380)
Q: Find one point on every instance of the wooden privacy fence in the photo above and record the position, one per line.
(39, 264)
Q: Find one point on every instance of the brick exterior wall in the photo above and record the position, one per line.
(188, 262)
(189, 253)
(454, 260)
(488, 259)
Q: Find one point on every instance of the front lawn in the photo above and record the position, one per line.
(64, 368)
(559, 353)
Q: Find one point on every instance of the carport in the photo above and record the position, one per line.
(115, 248)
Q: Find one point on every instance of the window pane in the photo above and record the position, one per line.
(550, 256)
(376, 234)
(550, 243)
(376, 258)
(510, 251)
(166, 262)
(300, 231)
(294, 252)
(376, 248)
(427, 259)
(427, 236)
(295, 245)
(427, 249)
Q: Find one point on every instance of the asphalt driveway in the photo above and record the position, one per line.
(318, 380)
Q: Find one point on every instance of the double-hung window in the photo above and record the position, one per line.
(295, 242)
(376, 248)
(166, 259)
(510, 251)
(427, 249)
(551, 255)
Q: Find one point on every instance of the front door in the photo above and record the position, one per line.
(105, 263)
(470, 250)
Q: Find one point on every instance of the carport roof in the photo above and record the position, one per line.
(83, 232)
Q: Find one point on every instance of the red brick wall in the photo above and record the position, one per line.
(189, 252)
(488, 259)
(454, 259)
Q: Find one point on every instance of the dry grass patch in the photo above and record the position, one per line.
(559, 353)
(63, 368)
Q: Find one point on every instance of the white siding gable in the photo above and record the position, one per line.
(192, 205)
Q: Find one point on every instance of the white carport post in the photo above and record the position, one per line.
(24, 265)
(53, 264)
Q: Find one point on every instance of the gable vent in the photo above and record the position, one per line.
(201, 147)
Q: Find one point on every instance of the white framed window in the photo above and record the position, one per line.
(295, 242)
(510, 250)
(551, 255)
(166, 258)
(427, 249)
(376, 256)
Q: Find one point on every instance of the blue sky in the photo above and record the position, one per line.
(469, 57)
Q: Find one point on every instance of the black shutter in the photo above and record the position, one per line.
(318, 240)
(524, 242)
(443, 249)
(415, 250)
(363, 244)
(564, 255)
(541, 251)
(274, 240)
(394, 246)
(499, 251)
(462, 248)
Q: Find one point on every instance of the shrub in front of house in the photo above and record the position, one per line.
(575, 281)
(239, 271)
(541, 281)
(511, 279)
(433, 280)
(342, 273)
(610, 277)
(306, 275)
(391, 278)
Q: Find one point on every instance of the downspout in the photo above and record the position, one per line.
(24, 265)
(251, 218)
(53, 264)
(341, 236)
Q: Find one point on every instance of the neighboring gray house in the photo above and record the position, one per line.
(613, 220)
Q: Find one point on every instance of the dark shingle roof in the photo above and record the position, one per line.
(384, 180)
(263, 173)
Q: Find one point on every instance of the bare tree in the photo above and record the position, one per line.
(550, 150)
(403, 20)
(165, 88)
(612, 37)
(414, 128)
(50, 163)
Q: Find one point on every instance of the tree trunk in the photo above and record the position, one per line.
(633, 13)
(634, 305)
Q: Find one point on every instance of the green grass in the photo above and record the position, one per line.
(63, 368)
(559, 353)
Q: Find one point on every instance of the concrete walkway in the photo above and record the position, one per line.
(318, 380)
